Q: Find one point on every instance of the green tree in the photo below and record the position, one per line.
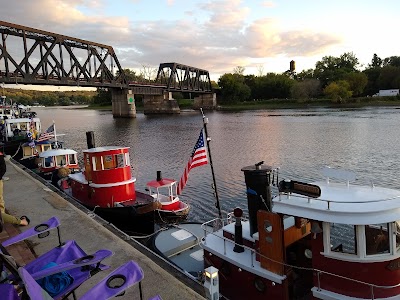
(233, 88)
(332, 68)
(357, 81)
(376, 62)
(130, 75)
(103, 97)
(393, 61)
(389, 77)
(305, 74)
(338, 91)
(306, 89)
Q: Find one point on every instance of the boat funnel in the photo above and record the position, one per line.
(159, 176)
(90, 139)
(258, 190)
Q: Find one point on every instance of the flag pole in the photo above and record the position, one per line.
(205, 122)
(55, 135)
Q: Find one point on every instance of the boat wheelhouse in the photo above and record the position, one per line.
(30, 155)
(107, 187)
(164, 191)
(325, 240)
(54, 159)
(14, 133)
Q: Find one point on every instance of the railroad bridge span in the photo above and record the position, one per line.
(37, 57)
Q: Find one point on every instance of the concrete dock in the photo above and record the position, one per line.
(27, 194)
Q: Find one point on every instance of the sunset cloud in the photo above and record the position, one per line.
(214, 35)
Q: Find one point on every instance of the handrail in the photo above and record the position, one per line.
(253, 254)
(334, 201)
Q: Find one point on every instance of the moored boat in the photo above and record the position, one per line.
(107, 187)
(180, 245)
(164, 191)
(30, 153)
(15, 132)
(324, 240)
(54, 159)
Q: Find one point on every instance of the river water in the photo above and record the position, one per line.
(300, 142)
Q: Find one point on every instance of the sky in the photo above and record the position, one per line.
(219, 35)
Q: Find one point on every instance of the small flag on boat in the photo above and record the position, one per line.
(48, 134)
(198, 158)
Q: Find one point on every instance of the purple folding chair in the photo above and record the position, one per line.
(42, 230)
(117, 282)
(113, 285)
(8, 292)
(65, 267)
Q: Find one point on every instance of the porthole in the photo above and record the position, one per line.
(267, 226)
(259, 285)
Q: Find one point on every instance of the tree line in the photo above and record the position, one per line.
(48, 98)
(335, 78)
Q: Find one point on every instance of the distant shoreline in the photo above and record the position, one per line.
(287, 104)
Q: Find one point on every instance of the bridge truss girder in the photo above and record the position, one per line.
(49, 58)
(182, 78)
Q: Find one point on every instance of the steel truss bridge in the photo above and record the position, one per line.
(32, 56)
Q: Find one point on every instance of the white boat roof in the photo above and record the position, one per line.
(21, 120)
(161, 183)
(342, 203)
(56, 152)
(102, 149)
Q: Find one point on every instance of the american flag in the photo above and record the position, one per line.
(48, 134)
(198, 158)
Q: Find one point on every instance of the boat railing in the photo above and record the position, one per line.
(329, 202)
(210, 229)
(372, 287)
(217, 223)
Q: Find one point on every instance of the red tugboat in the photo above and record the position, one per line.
(106, 186)
(164, 191)
(327, 240)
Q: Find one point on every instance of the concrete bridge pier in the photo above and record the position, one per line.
(205, 101)
(160, 104)
(123, 103)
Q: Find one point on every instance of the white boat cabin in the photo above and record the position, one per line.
(17, 129)
(57, 158)
(369, 216)
(163, 190)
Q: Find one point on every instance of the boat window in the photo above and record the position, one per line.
(48, 162)
(127, 161)
(343, 238)
(28, 151)
(61, 160)
(109, 162)
(397, 231)
(72, 159)
(377, 239)
(46, 147)
(97, 165)
(120, 160)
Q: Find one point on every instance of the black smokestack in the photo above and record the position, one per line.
(90, 139)
(258, 180)
(159, 176)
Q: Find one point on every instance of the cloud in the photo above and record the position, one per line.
(268, 4)
(216, 36)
